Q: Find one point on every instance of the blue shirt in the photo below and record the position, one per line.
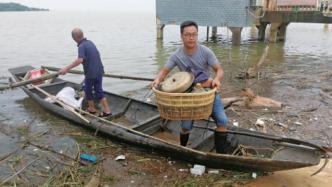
(92, 64)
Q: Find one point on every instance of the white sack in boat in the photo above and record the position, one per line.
(67, 95)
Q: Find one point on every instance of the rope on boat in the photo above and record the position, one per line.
(245, 150)
(327, 157)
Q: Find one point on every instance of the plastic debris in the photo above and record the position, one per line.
(171, 162)
(282, 125)
(259, 122)
(183, 170)
(39, 124)
(197, 170)
(88, 157)
(120, 157)
(236, 124)
(67, 95)
(252, 129)
(148, 100)
(298, 123)
(292, 114)
(213, 171)
(254, 175)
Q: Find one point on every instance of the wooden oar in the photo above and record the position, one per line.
(23, 83)
(105, 74)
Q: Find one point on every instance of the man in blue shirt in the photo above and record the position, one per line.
(89, 56)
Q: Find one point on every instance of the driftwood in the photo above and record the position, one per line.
(227, 102)
(249, 99)
(252, 71)
(253, 100)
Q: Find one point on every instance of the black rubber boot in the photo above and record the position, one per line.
(220, 141)
(184, 139)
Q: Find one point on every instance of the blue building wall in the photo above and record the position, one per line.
(231, 13)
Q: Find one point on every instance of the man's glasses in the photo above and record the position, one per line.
(190, 35)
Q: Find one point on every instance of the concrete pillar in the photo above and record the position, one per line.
(274, 32)
(261, 31)
(236, 35)
(214, 33)
(207, 33)
(160, 29)
(326, 28)
(281, 36)
(265, 4)
(272, 6)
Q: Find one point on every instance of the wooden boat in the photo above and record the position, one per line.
(139, 123)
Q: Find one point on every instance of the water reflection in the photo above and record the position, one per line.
(326, 28)
(160, 56)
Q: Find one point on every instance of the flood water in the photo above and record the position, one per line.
(295, 72)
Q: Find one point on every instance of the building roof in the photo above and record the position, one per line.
(296, 2)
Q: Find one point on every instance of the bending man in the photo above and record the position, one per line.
(89, 56)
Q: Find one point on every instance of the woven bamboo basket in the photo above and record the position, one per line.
(185, 106)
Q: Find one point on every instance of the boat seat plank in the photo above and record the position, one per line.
(119, 114)
(140, 126)
(203, 143)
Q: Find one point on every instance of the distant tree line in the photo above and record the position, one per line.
(18, 7)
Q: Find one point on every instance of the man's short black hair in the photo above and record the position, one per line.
(187, 24)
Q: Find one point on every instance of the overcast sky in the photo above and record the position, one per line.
(113, 5)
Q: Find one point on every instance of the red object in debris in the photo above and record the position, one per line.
(37, 73)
